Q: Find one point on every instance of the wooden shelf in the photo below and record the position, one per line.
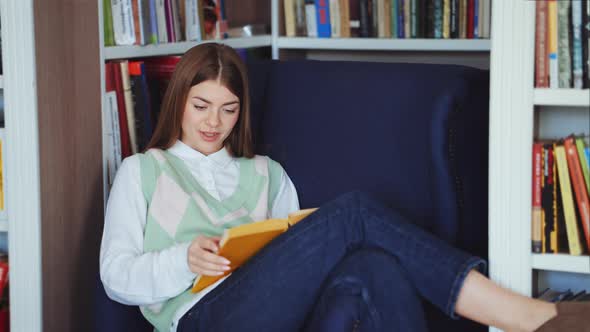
(127, 52)
(562, 97)
(561, 262)
(385, 44)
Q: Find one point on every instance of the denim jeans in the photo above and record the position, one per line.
(281, 286)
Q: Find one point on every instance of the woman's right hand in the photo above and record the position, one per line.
(203, 259)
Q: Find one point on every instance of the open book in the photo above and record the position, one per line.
(240, 243)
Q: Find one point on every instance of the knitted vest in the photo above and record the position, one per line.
(179, 209)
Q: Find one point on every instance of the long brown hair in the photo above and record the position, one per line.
(208, 61)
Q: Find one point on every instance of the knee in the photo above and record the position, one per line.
(359, 198)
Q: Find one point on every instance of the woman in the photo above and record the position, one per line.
(352, 264)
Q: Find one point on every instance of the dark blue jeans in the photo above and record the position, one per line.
(282, 287)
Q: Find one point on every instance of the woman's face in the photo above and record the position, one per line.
(210, 113)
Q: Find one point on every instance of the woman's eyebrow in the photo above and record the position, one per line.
(207, 101)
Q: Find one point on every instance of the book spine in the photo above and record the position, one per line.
(365, 29)
(109, 38)
(552, 44)
(300, 24)
(115, 68)
(153, 22)
(536, 196)
(393, 22)
(438, 19)
(323, 18)
(401, 33)
(541, 76)
(577, 178)
(161, 21)
(563, 44)
(129, 105)
(408, 19)
(462, 19)
(192, 25)
(454, 29)
(123, 22)
(584, 162)
(137, 22)
(548, 196)
(289, 10)
(446, 25)
(577, 63)
(310, 19)
(573, 236)
(335, 18)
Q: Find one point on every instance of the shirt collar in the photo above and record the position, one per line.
(220, 158)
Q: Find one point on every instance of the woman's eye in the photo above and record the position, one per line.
(231, 111)
(200, 108)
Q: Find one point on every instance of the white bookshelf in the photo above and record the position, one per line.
(3, 224)
(383, 44)
(136, 51)
(562, 97)
(561, 262)
(1, 82)
(516, 110)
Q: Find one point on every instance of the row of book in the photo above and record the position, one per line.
(553, 295)
(388, 18)
(560, 201)
(134, 90)
(562, 41)
(142, 22)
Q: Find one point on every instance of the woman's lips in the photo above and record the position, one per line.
(209, 136)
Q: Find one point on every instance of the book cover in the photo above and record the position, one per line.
(335, 18)
(161, 21)
(571, 223)
(240, 243)
(536, 223)
(153, 33)
(135, 8)
(446, 25)
(581, 195)
(310, 18)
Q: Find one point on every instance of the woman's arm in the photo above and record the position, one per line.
(129, 275)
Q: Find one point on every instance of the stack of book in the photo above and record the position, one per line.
(560, 207)
(465, 19)
(142, 22)
(562, 39)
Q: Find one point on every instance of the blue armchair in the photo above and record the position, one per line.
(415, 135)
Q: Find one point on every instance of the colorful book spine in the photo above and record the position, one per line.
(577, 63)
(573, 235)
(438, 19)
(541, 71)
(536, 196)
(563, 44)
(552, 44)
(123, 27)
(584, 162)
(323, 18)
(582, 200)
(153, 36)
(289, 15)
(109, 38)
(311, 20)
(549, 215)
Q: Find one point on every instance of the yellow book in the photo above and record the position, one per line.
(571, 224)
(240, 243)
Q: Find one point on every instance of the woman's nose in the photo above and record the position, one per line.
(213, 119)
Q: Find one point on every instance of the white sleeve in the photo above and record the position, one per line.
(129, 275)
(286, 200)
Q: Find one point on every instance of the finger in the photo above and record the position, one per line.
(208, 244)
(214, 259)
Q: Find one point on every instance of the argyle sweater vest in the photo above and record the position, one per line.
(179, 209)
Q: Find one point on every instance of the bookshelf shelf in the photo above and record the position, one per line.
(385, 44)
(562, 97)
(127, 52)
(561, 262)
